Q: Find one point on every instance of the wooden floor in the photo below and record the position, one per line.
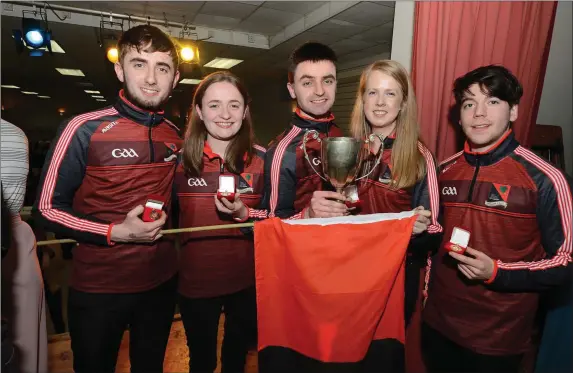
(60, 357)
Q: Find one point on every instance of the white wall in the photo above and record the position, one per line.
(556, 106)
(403, 35)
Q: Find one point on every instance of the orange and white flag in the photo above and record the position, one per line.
(327, 288)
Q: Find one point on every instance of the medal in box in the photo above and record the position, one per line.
(226, 188)
(153, 208)
(459, 241)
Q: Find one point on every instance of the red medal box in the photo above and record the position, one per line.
(459, 241)
(153, 208)
(226, 188)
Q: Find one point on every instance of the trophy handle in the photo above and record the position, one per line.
(380, 152)
(312, 134)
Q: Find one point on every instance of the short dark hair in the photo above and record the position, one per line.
(493, 80)
(310, 51)
(149, 39)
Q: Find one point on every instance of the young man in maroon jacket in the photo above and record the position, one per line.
(99, 173)
(517, 208)
(289, 178)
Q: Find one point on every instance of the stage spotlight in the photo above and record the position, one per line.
(187, 54)
(34, 35)
(112, 54)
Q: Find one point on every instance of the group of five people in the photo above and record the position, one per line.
(103, 165)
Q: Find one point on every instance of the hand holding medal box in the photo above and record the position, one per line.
(459, 241)
(153, 208)
(226, 188)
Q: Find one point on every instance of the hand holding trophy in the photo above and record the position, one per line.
(341, 159)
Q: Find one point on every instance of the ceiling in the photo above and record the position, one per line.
(360, 30)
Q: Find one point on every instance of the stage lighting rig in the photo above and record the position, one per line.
(109, 34)
(34, 34)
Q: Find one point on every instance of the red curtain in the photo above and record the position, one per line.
(453, 38)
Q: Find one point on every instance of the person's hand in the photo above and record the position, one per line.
(480, 267)
(325, 204)
(422, 221)
(133, 229)
(236, 209)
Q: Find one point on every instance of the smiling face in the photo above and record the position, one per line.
(148, 78)
(383, 100)
(314, 87)
(222, 110)
(484, 119)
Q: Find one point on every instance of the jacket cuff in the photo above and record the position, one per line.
(109, 241)
(300, 215)
(257, 214)
(493, 275)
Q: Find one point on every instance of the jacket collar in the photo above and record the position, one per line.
(211, 156)
(389, 140)
(134, 113)
(502, 148)
(304, 121)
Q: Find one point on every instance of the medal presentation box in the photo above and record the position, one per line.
(459, 241)
(226, 188)
(153, 208)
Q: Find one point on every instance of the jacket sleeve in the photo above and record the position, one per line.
(279, 193)
(62, 175)
(426, 193)
(554, 214)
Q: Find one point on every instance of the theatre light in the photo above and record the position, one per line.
(112, 54)
(109, 34)
(34, 34)
(187, 54)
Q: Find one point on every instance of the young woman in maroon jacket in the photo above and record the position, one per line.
(406, 177)
(404, 180)
(217, 267)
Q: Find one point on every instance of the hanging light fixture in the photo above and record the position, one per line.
(112, 54)
(34, 34)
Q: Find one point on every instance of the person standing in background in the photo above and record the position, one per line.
(23, 298)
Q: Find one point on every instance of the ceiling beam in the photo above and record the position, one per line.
(317, 16)
(92, 18)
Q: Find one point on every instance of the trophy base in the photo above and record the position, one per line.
(352, 199)
(354, 205)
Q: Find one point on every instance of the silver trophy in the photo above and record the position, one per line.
(341, 159)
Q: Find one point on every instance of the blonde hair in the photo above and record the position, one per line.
(407, 163)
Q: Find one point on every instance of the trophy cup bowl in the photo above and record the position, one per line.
(341, 160)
